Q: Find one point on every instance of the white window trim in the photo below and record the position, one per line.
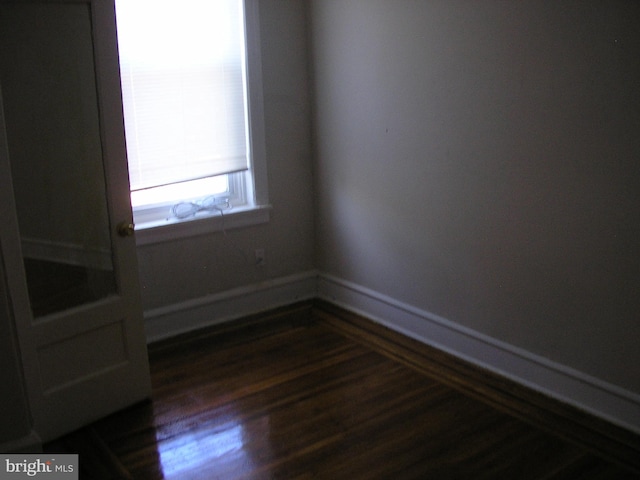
(256, 209)
(237, 195)
(177, 229)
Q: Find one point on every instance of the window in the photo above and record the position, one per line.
(191, 89)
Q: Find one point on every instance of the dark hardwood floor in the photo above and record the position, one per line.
(299, 394)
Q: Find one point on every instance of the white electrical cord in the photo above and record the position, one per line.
(184, 210)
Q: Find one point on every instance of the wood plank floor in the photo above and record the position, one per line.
(294, 398)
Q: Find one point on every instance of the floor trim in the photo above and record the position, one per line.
(590, 412)
(597, 435)
(183, 317)
(607, 401)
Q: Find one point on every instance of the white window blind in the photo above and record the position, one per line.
(183, 85)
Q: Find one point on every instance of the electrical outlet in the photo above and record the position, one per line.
(261, 259)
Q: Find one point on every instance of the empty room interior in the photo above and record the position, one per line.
(458, 176)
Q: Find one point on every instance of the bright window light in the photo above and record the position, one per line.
(184, 94)
(177, 192)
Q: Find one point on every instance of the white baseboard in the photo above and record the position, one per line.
(592, 395)
(599, 398)
(213, 309)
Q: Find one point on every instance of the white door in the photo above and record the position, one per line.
(65, 211)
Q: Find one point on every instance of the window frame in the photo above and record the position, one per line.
(248, 190)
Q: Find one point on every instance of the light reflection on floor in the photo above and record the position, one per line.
(188, 454)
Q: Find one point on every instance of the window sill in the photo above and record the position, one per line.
(173, 229)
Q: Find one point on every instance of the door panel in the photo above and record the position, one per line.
(73, 280)
(53, 132)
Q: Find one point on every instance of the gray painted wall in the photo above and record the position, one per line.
(172, 272)
(480, 161)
